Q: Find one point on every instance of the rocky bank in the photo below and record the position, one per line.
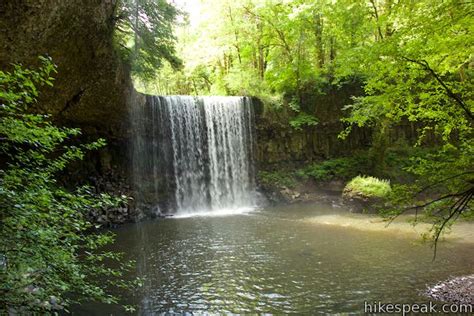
(458, 290)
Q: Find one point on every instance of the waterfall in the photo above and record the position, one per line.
(194, 154)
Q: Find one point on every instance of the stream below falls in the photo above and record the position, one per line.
(278, 260)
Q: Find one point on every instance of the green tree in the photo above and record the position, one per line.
(50, 256)
(417, 65)
(145, 35)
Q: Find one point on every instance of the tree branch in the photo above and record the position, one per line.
(438, 199)
(444, 180)
(456, 209)
(450, 93)
(376, 13)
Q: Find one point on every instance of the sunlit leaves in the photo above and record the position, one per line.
(396, 80)
(303, 120)
(419, 69)
(44, 230)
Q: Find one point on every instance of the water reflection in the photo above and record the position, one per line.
(278, 261)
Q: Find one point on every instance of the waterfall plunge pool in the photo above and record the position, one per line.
(290, 259)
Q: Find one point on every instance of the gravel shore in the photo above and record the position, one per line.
(459, 290)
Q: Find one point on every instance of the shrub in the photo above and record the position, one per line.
(49, 257)
(340, 168)
(303, 120)
(367, 187)
(278, 178)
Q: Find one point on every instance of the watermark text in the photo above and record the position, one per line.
(422, 308)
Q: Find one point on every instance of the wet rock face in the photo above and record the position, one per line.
(92, 83)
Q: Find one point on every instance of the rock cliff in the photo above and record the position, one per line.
(92, 84)
(279, 143)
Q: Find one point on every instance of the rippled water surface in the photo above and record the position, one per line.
(277, 260)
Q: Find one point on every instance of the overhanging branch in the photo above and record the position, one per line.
(424, 64)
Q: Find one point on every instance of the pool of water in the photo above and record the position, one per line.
(279, 260)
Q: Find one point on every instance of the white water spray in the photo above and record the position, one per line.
(197, 149)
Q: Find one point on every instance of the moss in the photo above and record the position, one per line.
(367, 187)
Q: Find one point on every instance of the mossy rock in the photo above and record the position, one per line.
(367, 188)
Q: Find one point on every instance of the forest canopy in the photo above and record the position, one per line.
(145, 35)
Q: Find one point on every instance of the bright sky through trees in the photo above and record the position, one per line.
(192, 7)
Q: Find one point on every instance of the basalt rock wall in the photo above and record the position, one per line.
(278, 143)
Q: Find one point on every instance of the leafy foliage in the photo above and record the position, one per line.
(303, 119)
(261, 48)
(49, 257)
(145, 35)
(443, 190)
(418, 68)
(337, 168)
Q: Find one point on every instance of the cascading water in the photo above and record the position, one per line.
(196, 150)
